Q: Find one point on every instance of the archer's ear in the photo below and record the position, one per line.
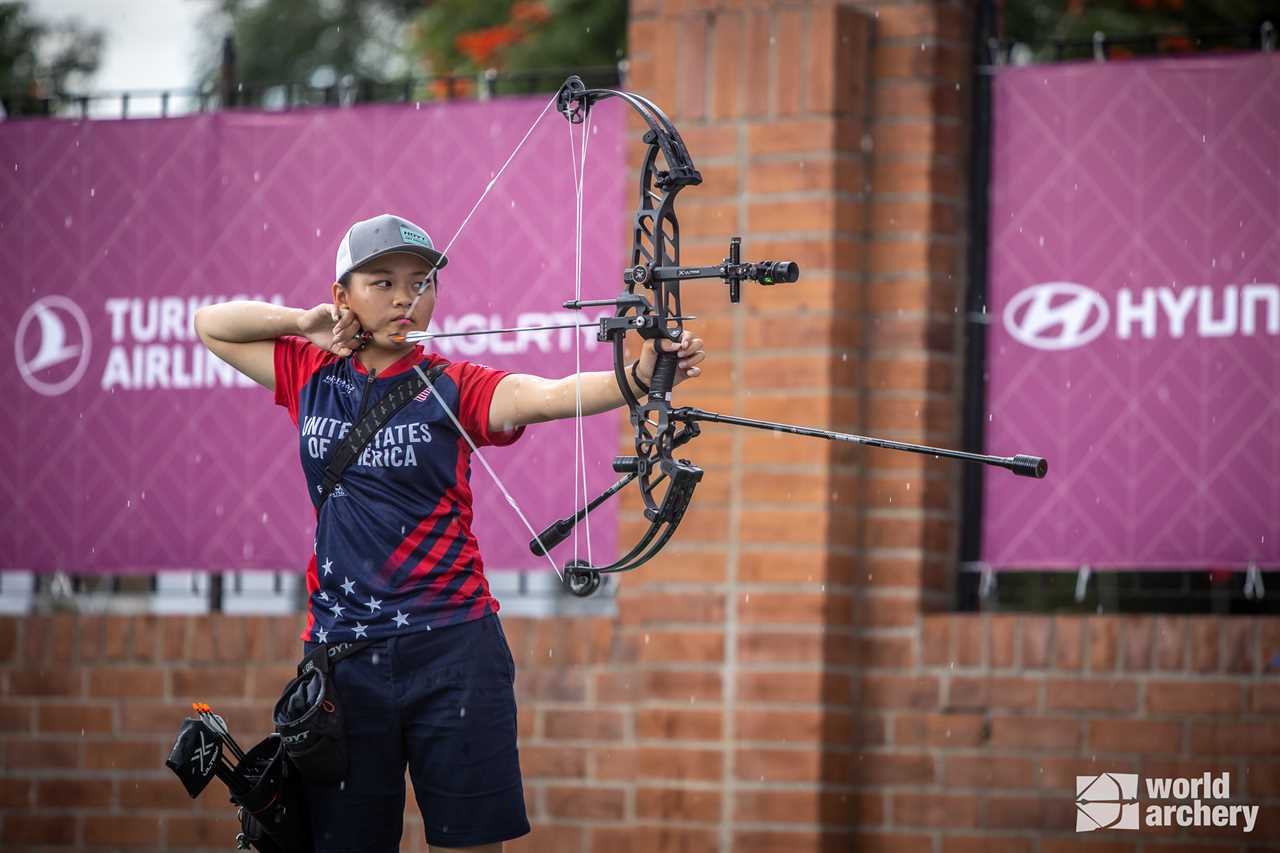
(339, 295)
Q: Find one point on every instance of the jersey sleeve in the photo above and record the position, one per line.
(477, 384)
(296, 359)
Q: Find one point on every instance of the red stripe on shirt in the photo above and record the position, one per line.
(411, 542)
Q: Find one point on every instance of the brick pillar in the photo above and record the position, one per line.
(744, 628)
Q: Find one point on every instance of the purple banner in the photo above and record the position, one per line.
(129, 448)
(1135, 314)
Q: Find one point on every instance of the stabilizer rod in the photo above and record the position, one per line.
(558, 531)
(1023, 465)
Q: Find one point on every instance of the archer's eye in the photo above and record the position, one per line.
(381, 284)
(421, 287)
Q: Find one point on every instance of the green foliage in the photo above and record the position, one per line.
(301, 41)
(39, 59)
(306, 41)
(1040, 22)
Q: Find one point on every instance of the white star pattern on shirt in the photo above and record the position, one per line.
(322, 635)
(374, 605)
(324, 596)
(337, 610)
(348, 586)
(328, 567)
(360, 629)
(401, 619)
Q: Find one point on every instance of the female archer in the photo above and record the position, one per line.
(395, 559)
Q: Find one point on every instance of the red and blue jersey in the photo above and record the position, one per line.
(394, 552)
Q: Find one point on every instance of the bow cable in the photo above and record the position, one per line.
(580, 447)
(467, 436)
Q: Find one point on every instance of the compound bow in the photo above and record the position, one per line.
(650, 306)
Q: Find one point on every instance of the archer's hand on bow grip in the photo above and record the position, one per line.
(688, 353)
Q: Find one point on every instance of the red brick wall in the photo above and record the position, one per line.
(638, 735)
(780, 679)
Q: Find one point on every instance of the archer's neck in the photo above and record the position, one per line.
(379, 359)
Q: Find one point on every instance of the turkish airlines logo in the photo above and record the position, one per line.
(1056, 315)
(51, 347)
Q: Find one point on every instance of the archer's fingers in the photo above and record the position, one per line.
(678, 346)
(694, 359)
(345, 320)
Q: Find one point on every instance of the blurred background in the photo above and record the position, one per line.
(1024, 227)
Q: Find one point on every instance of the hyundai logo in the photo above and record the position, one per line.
(1056, 315)
(52, 353)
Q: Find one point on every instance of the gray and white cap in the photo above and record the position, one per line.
(384, 235)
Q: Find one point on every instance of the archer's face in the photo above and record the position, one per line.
(391, 295)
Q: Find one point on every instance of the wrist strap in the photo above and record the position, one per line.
(635, 377)
(375, 419)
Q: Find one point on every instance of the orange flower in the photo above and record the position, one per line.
(483, 46)
(531, 13)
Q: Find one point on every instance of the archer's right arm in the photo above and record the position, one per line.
(243, 333)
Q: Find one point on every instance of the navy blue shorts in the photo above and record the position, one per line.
(443, 703)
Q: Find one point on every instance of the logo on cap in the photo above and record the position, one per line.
(52, 353)
(410, 236)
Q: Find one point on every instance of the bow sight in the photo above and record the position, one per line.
(733, 271)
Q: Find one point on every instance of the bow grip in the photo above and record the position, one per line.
(664, 373)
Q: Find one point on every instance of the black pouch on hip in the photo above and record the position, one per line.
(273, 806)
(308, 716)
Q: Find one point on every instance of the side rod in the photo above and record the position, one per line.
(557, 531)
(1022, 464)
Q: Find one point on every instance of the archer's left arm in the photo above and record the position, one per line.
(522, 398)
